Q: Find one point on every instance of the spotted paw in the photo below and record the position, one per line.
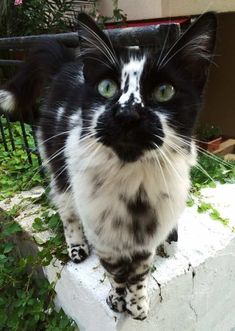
(78, 253)
(138, 308)
(116, 302)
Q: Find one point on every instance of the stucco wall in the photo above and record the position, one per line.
(149, 9)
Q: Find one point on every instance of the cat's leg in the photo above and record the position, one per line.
(129, 277)
(77, 245)
(115, 271)
(137, 299)
(173, 236)
(168, 248)
(116, 297)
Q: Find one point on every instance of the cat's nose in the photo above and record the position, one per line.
(130, 112)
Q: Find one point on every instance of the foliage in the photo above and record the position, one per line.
(207, 132)
(118, 16)
(26, 299)
(42, 16)
(209, 171)
(204, 207)
(212, 169)
(34, 17)
(17, 174)
(55, 246)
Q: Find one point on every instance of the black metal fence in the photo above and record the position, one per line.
(147, 35)
(7, 138)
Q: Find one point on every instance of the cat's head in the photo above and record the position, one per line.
(136, 97)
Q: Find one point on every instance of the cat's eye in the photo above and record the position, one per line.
(163, 92)
(107, 88)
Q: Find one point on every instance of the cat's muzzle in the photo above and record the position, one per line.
(130, 132)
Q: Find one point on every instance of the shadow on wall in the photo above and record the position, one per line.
(220, 96)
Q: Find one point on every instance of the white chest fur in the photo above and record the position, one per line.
(99, 187)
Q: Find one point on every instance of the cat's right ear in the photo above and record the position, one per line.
(94, 39)
(195, 47)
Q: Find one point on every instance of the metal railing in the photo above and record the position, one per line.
(7, 138)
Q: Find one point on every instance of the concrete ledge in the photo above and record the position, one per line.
(192, 289)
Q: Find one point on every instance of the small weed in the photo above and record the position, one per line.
(204, 207)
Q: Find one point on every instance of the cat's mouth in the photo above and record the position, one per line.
(128, 152)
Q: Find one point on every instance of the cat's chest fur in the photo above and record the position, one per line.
(124, 207)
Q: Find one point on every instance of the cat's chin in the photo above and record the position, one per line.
(129, 153)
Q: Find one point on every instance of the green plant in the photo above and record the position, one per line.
(207, 132)
(34, 17)
(28, 300)
(118, 15)
(211, 169)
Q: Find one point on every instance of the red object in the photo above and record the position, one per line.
(131, 24)
(212, 145)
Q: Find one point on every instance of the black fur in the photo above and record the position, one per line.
(173, 236)
(123, 270)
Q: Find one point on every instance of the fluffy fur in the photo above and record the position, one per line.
(119, 166)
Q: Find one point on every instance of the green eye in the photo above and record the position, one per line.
(107, 88)
(163, 92)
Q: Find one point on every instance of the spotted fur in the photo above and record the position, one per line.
(119, 167)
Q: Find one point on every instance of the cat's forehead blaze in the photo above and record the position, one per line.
(130, 80)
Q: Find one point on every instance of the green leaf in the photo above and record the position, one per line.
(8, 248)
(38, 224)
(204, 207)
(190, 202)
(12, 228)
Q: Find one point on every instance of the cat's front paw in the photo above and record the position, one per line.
(116, 302)
(79, 252)
(138, 308)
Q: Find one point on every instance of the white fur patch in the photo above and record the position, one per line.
(130, 80)
(60, 113)
(75, 119)
(7, 100)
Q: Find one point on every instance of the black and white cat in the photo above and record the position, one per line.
(115, 133)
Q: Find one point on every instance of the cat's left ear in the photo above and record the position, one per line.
(94, 39)
(196, 46)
